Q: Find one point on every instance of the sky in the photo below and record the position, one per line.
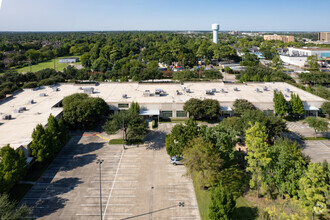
(124, 15)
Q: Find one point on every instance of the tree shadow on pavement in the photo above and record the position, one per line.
(155, 140)
(48, 201)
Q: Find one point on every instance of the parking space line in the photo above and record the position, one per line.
(98, 204)
(113, 183)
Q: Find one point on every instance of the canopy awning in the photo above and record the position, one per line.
(226, 109)
(310, 108)
(149, 112)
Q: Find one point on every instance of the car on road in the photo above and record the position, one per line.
(177, 160)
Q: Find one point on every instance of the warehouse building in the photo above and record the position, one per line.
(20, 115)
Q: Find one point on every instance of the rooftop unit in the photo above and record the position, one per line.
(31, 101)
(265, 88)
(222, 91)
(214, 90)
(159, 92)
(56, 89)
(287, 90)
(22, 109)
(6, 117)
(124, 96)
(257, 90)
(17, 111)
(88, 90)
(146, 93)
(42, 94)
(208, 92)
(236, 89)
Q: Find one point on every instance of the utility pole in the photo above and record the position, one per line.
(99, 162)
(123, 131)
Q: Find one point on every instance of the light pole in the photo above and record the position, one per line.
(99, 162)
(123, 131)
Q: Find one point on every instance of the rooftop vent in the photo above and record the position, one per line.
(209, 92)
(124, 96)
(178, 93)
(22, 109)
(287, 90)
(188, 91)
(236, 89)
(56, 89)
(223, 91)
(31, 101)
(213, 90)
(42, 95)
(257, 90)
(265, 88)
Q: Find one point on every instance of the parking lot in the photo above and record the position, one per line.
(318, 151)
(137, 183)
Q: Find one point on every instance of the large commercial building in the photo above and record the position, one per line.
(283, 38)
(31, 107)
(298, 56)
(324, 36)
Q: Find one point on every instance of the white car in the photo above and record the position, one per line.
(177, 160)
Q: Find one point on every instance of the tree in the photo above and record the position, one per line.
(297, 106)
(134, 126)
(241, 105)
(194, 107)
(12, 167)
(277, 63)
(53, 132)
(286, 168)
(258, 156)
(314, 188)
(222, 204)
(250, 60)
(317, 123)
(280, 104)
(40, 144)
(312, 63)
(8, 209)
(200, 157)
(180, 136)
(326, 107)
(79, 110)
(211, 108)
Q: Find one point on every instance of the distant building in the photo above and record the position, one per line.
(298, 56)
(324, 36)
(309, 51)
(283, 38)
(69, 60)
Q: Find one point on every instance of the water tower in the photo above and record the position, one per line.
(215, 28)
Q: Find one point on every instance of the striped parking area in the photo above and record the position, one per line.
(137, 183)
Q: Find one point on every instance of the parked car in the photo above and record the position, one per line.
(177, 160)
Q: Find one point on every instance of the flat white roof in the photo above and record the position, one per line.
(18, 131)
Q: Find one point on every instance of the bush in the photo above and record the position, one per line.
(30, 85)
(46, 82)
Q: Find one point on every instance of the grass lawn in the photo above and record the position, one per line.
(47, 64)
(116, 141)
(244, 209)
(315, 138)
(18, 192)
(203, 198)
